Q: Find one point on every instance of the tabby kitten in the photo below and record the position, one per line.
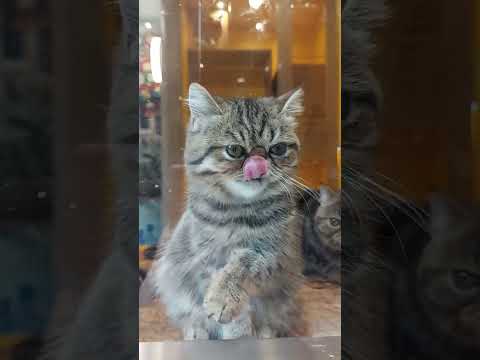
(233, 263)
(322, 235)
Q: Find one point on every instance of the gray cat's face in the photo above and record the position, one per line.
(327, 219)
(241, 146)
(449, 273)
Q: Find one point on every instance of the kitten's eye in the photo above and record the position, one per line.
(278, 149)
(235, 151)
(465, 280)
(334, 222)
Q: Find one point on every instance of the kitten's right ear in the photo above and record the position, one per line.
(201, 104)
(291, 103)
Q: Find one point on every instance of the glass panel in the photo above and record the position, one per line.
(240, 49)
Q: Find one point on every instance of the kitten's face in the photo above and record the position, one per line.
(241, 147)
(449, 273)
(327, 219)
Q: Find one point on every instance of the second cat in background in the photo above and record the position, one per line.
(322, 235)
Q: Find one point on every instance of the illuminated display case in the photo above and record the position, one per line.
(239, 48)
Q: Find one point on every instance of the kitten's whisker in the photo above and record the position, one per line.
(378, 194)
(286, 180)
(297, 184)
(418, 211)
(388, 179)
(350, 204)
(301, 185)
(362, 189)
(404, 206)
(282, 183)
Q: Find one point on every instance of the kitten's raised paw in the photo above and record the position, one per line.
(223, 303)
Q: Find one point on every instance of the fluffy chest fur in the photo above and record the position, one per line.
(212, 232)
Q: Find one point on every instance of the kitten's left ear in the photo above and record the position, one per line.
(291, 103)
(202, 105)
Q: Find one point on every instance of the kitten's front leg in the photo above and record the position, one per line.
(229, 292)
(225, 298)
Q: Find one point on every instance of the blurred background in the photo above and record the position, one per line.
(26, 170)
(428, 65)
(54, 178)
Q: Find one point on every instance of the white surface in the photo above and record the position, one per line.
(327, 348)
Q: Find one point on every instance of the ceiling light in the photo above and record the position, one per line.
(218, 15)
(260, 26)
(156, 58)
(255, 4)
(220, 5)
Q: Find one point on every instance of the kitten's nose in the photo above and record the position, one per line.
(259, 150)
(255, 167)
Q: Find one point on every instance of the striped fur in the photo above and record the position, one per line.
(233, 263)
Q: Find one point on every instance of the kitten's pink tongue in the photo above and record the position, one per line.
(255, 167)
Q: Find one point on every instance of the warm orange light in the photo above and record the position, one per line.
(260, 26)
(255, 4)
(339, 167)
